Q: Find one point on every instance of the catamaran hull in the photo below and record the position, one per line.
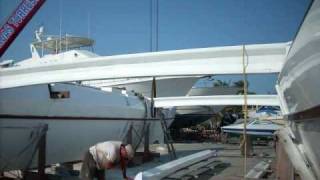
(189, 116)
(75, 123)
(298, 87)
(67, 140)
(165, 86)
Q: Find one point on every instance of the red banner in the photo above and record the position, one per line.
(17, 21)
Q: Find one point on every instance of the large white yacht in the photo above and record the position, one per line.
(77, 116)
(48, 49)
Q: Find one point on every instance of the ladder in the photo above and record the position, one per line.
(167, 138)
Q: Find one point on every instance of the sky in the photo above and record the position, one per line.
(124, 26)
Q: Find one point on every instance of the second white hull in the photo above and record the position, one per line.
(166, 86)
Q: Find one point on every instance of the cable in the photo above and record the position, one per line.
(245, 111)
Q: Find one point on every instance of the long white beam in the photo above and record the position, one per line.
(271, 100)
(260, 58)
(166, 169)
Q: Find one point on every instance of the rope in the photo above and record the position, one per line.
(245, 111)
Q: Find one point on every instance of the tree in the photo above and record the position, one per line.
(220, 83)
(240, 84)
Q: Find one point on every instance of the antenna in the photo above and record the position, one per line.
(154, 25)
(39, 33)
(88, 24)
(60, 24)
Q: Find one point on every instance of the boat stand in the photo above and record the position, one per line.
(41, 147)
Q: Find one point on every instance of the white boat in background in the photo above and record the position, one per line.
(187, 116)
(266, 112)
(165, 86)
(254, 127)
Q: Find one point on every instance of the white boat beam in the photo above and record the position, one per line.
(166, 169)
(217, 100)
(261, 58)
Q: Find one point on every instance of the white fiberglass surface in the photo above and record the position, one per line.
(299, 79)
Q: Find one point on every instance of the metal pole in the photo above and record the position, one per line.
(146, 152)
(42, 154)
(129, 135)
(245, 111)
(153, 95)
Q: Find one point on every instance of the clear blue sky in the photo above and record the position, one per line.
(123, 26)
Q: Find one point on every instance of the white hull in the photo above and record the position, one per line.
(258, 131)
(166, 86)
(299, 81)
(76, 123)
(191, 115)
(67, 140)
(206, 92)
(255, 127)
(298, 87)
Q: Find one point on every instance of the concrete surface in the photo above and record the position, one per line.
(231, 167)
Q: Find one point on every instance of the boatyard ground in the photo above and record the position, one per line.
(230, 162)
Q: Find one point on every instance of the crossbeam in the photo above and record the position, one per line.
(271, 100)
(261, 58)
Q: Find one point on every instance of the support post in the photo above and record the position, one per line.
(42, 154)
(285, 169)
(246, 145)
(146, 153)
(129, 135)
(153, 95)
(245, 110)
